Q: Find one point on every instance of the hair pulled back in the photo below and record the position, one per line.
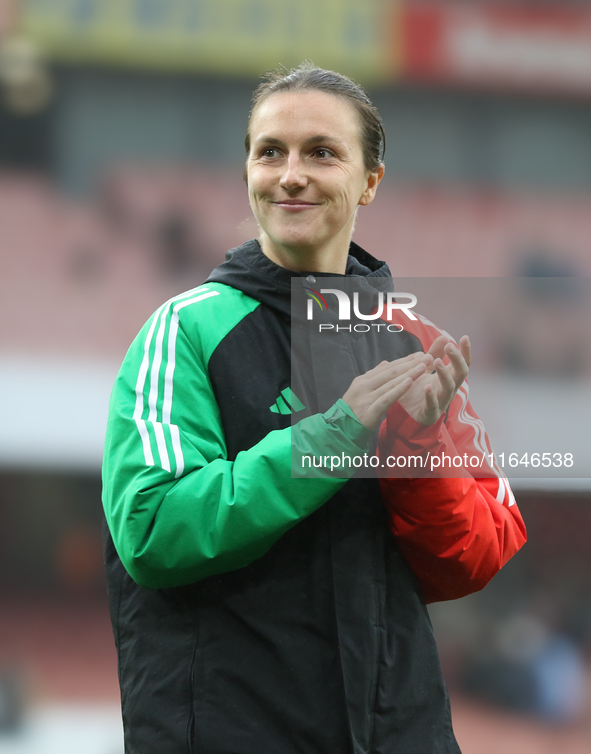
(309, 78)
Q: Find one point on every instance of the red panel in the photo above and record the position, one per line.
(500, 44)
(421, 35)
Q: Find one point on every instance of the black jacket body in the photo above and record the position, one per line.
(323, 645)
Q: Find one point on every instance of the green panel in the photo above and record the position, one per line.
(221, 313)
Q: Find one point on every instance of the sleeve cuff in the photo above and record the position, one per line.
(341, 415)
(325, 445)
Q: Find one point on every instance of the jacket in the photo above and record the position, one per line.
(253, 611)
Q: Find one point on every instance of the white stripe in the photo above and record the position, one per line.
(178, 451)
(156, 364)
(504, 491)
(162, 449)
(139, 394)
(143, 430)
(509, 491)
(507, 494)
(170, 367)
(477, 425)
(141, 381)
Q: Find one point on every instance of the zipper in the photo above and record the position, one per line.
(190, 731)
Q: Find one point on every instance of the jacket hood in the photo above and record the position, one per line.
(247, 269)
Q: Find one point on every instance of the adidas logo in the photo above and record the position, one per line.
(287, 403)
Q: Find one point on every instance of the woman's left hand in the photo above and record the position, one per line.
(430, 395)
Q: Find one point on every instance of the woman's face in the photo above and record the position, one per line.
(305, 172)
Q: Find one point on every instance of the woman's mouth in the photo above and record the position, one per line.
(295, 205)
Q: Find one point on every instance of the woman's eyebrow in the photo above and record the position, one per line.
(310, 142)
(264, 140)
(322, 139)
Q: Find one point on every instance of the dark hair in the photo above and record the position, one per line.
(308, 77)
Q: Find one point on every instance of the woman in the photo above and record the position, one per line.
(254, 612)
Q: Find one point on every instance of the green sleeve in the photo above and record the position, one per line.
(177, 509)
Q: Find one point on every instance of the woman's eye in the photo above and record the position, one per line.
(324, 153)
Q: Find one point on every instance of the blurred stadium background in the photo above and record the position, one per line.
(121, 154)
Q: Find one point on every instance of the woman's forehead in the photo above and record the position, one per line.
(305, 115)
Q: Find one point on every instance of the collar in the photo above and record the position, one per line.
(247, 269)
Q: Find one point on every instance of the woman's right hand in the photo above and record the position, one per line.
(371, 394)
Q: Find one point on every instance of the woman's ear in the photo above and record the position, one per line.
(373, 181)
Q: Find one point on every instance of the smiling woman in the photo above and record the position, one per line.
(262, 610)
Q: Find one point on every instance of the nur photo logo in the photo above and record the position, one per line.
(387, 304)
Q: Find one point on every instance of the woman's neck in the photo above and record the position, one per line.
(331, 259)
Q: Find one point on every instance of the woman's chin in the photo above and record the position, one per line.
(295, 243)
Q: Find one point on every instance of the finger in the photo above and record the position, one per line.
(466, 349)
(437, 349)
(384, 364)
(413, 373)
(382, 374)
(458, 364)
(447, 385)
(379, 407)
(432, 408)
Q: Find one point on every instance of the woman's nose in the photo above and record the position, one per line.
(294, 175)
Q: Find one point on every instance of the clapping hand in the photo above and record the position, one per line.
(431, 392)
(371, 394)
(424, 384)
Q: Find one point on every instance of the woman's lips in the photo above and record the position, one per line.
(295, 206)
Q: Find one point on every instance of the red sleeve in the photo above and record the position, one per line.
(455, 533)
